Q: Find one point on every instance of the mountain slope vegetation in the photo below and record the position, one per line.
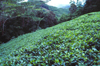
(74, 42)
(21, 18)
(57, 11)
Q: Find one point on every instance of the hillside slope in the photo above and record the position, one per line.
(75, 42)
(57, 11)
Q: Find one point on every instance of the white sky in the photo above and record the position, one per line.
(60, 2)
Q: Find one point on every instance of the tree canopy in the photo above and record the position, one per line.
(24, 17)
(91, 6)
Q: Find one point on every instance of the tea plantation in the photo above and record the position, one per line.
(71, 43)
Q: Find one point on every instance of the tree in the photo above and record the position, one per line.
(91, 6)
(11, 1)
(79, 3)
(20, 18)
(73, 7)
(64, 18)
(79, 8)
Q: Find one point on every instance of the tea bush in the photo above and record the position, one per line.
(72, 43)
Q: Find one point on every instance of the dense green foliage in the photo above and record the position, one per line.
(75, 42)
(91, 6)
(21, 18)
(18, 18)
(64, 17)
(72, 8)
(76, 9)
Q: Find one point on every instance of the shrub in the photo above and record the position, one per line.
(64, 18)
